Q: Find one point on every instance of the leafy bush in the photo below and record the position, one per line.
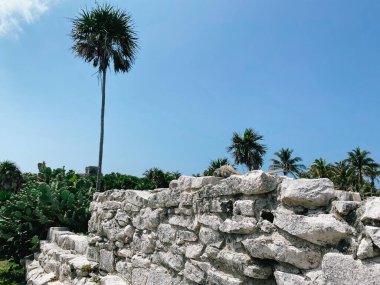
(160, 178)
(11, 273)
(50, 198)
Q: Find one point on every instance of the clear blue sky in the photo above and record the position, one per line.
(305, 74)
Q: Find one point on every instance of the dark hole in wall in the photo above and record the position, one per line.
(344, 245)
(228, 207)
(266, 215)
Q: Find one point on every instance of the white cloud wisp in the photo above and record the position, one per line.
(14, 13)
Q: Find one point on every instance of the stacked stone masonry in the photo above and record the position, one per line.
(244, 229)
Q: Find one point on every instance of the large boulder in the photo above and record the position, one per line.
(310, 193)
(345, 270)
(323, 229)
(253, 183)
(372, 210)
(374, 234)
(279, 248)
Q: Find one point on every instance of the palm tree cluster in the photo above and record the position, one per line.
(358, 172)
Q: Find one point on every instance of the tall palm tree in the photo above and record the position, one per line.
(287, 163)
(214, 165)
(359, 160)
(320, 169)
(104, 36)
(372, 172)
(247, 149)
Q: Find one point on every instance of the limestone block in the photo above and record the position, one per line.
(184, 236)
(184, 221)
(147, 219)
(107, 260)
(193, 273)
(222, 278)
(194, 251)
(310, 193)
(139, 261)
(374, 233)
(345, 207)
(344, 270)
(112, 280)
(284, 278)
(278, 248)
(212, 221)
(372, 210)
(210, 237)
(122, 218)
(244, 207)
(322, 229)
(174, 261)
(252, 183)
(365, 249)
(139, 276)
(239, 225)
(166, 233)
(191, 183)
(160, 276)
(341, 195)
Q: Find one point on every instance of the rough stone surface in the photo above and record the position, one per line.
(310, 193)
(345, 270)
(322, 229)
(252, 229)
(372, 210)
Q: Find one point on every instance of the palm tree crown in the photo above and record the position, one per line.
(287, 163)
(359, 161)
(320, 169)
(247, 149)
(103, 36)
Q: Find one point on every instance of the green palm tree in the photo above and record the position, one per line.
(214, 165)
(104, 36)
(287, 163)
(342, 175)
(247, 149)
(372, 172)
(320, 169)
(10, 177)
(359, 161)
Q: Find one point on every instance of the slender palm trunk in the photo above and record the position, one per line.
(98, 180)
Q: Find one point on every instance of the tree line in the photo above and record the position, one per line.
(357, 172)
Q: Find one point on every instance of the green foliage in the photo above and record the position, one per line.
(247, 149)
(287, 163)
(53, 197)
(11, 273)
(121, 181)
(160, 178)
(10, 179)
(214, 165)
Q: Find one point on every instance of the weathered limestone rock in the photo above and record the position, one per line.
(252, 183)
(372, 210)
(191, 183)
(225, 171)
(219, 231)
(322, 229)
(365, 249)
(345, 207)
(309, 193)
(239, 225)
(222, 278)
(344, 270)
(278, 248)
(374, 233)
(347, 196)
(245, 208)
(107, 261)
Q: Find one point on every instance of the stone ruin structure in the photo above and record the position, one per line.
(244, 229)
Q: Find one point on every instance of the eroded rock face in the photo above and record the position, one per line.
(345, 270)
(323, 229)
(309, 193)
(208, 230)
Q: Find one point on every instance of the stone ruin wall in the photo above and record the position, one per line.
(245, 229)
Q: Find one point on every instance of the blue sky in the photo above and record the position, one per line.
(304, 74)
